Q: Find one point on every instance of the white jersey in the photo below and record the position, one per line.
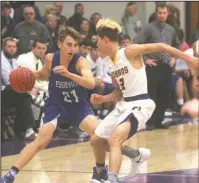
(94, 65)
(132, 81)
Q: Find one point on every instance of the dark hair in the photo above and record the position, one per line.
(109, 33)
(93, 45)
(69, 31)
(77, 5)
(123, 37)
(180, 34)
(85, 42)
(94, 15)
(38, 40)
(161, 5)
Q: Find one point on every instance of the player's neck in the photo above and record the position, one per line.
(113, 51)
(66, 62)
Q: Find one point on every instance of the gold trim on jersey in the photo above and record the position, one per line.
(115, 58)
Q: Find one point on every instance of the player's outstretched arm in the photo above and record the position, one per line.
(44, 72)
(141, 49)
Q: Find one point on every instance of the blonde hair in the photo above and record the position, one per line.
(109, 24)
(48, 8)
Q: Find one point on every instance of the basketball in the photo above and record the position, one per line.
(22, 80)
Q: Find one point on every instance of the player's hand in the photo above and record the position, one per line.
(96, 99)
(62, 71)
(172, 62)
(151, 62)
(99, 83)
(195, 84)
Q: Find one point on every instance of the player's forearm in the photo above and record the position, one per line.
(39, 76)
(88, 83)
(175, 52)
(114, 96)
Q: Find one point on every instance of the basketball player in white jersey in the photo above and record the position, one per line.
(134, 107)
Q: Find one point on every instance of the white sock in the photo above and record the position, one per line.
(180, 101)
(29, 132)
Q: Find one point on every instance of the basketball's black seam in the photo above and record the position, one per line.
(18, 80)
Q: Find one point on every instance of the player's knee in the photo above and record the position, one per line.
(43, 140)
(116, 141)
(96, 141)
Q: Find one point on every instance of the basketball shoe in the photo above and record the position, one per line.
(8, 178)
(101, 177)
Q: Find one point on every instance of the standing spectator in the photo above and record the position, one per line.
(18, 7)
(24, 120)
(6, 20)
(29, 30)
(76, 18)
(61, 19)
(51, 24)
(159, 66)
(95, 17)
(128, 21)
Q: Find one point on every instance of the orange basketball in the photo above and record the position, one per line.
(22, 80)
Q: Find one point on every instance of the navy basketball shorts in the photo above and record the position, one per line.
(72, 113)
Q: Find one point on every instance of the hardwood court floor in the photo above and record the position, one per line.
(173, 149)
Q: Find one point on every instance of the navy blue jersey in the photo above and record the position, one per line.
(63, 90)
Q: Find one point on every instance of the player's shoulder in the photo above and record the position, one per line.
(48, 59)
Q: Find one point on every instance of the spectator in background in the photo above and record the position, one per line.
(94, 38)
(85, 28)
(6, 20)
(128, 21)
(85, 47)
(51, 24)
(24, 120)
(93, 58)
(124, 40)
(75, 19)
(18, 7)
(95, 17)
(183, 45)
(61, 19)
(50, 9)
(173, 16)
(33, 60)
(29, 30)
(195, 35)
(159, 66)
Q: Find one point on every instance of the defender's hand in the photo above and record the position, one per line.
(96, 99)
(62, 71)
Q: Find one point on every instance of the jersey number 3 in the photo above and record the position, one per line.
(121, 80)
(70, 96)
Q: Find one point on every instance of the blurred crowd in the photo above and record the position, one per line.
(27, 36)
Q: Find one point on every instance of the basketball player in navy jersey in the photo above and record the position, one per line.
(134, 107)
(69, 78)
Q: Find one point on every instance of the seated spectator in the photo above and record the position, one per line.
(94, 38)
(124, 40)
(179, 92)
(24, 120)
(95, 17)
(75, 19)
(85, 47)
(51, 24)
(61, 19)
(33, 61)
(93, 58)
(29, 30)
(85, 28)
(7, 25)
(50, 9)
(183, 45)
